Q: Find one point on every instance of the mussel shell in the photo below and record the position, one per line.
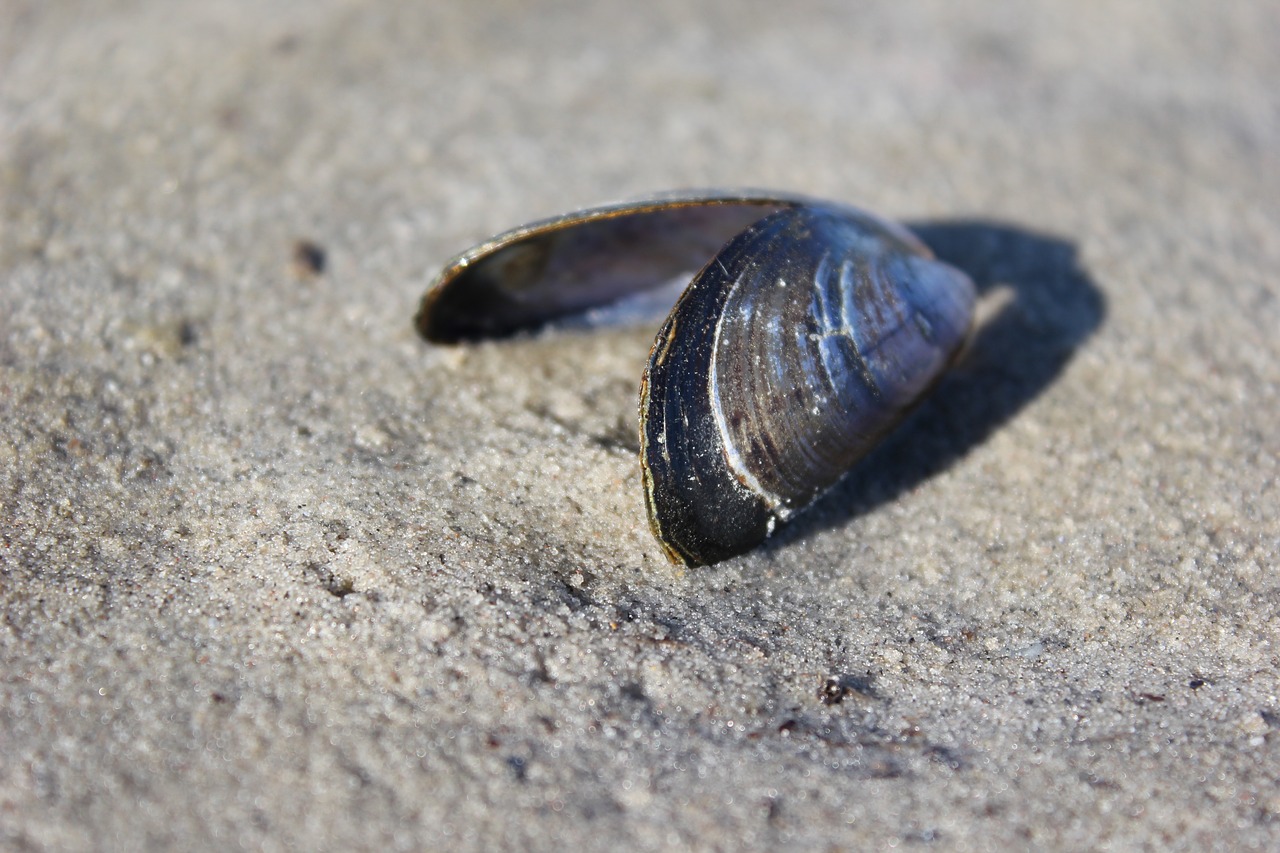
(804, 338)
(807, 337)
(564, 265)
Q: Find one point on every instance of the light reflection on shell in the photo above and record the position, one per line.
(811, 330)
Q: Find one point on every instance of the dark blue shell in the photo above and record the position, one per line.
(809, 336)
(803, 340)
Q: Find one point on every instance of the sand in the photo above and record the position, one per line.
(276, 573)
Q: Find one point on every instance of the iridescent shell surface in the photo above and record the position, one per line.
(811, 330)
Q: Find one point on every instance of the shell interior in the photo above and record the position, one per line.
(567, 265)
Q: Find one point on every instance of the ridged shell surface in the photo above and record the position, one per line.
(807, 337)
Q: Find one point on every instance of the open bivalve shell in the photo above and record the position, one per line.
(810, 331)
